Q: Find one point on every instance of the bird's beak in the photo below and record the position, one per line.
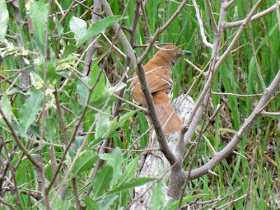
(186, 52)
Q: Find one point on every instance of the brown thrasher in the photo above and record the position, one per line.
(159, 78)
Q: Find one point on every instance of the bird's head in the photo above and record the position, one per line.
(172, 54)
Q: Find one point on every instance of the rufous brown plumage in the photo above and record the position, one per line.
(159, 78)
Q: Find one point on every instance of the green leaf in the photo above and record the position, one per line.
(51, 71)
(64, 74)
(143, 126)
(227, 130)
(6, 107)
(4, 14)
(39, 14)
(91, 204)
(85, 161)
(78, 27)
(83, 91)
(15, 90)
(158, 196)
(28, 112)
(115, 160)
(78, 141)
(107, 201)
(69, 49)
(97, 80)
(135, 183)
(125, 117)
(102, 180)
(129, 171)
(169, 206)
(62, 204)
(75, 106)
(184, 201)
(50, 129)
(117, 88)
(58, 26)
(102, 123)
(97, 28)
(114, 124)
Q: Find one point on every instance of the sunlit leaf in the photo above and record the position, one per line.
(115, 160)
(96, 79)
(85, 161)
(50, 128)
(4, 14)
(29, 111)
(91, 204)
(158, 196)
(38, 14)
(107, 201)
(83, 91)
(62, 204)
(78, 27)
(129, 172)
(113, 125)
(102, 123)
(97, 28)
(58, 25)
(135, 183)
(102, 180)
(69, 49)
(184, 201)
(6, 107)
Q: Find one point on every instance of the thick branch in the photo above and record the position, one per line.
(239, 135)
(91, 50)
(120, 34)
(202, 101)
(154, 118)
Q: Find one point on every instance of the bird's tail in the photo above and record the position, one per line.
(164, 111)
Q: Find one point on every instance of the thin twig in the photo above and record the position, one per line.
(212, 15)
(204, 39)
(24, 150)
(255, 17)
(255, 58)
(237, 95)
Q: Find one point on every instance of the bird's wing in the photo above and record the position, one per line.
(159, 80)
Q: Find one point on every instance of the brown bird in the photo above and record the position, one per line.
(159, 78)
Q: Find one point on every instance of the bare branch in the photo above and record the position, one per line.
(204, 39)
(93, 46)
(120, 34)
(44, 111)
(278, 13)
(7, 204)
(255, 17)
(276, 114)
(236, 94)
(195, 173)
(76, 193)
(240, 30)
(160, 30)
(155, 120)
(61, 118)
(212, 15)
